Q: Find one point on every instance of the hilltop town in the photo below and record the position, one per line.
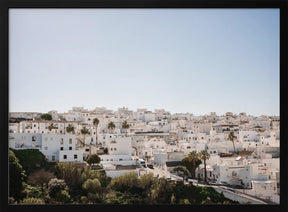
(241, 152)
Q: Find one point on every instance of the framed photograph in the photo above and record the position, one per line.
(148, 105)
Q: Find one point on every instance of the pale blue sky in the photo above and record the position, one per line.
(182, 60)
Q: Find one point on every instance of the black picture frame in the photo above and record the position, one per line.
(5, 5)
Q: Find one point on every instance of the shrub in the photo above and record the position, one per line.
(55, 186)
(92, 186)
(31, 191)
(63, 197)
(32, 200)
(125, 182)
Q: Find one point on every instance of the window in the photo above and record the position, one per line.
(45, 138)
(61, 140)
(51, 138)
(70, 140)
(75, 156)
(64, 156)
(45, 148)
(61, 148)
(70, 147)
(53, 157)
(114, 149)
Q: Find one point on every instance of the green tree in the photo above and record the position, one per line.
(46, 116)
(93, 189)
(193, 157)
(146, 181)
(70, 128)
(92, 186)
(231, 137)
(75, 177)
(55, 186)
(126, 182)
(125, 126)
(92, 159)
(66, 171)
(181, 171)
(192, 162)
(16, 176)
(111, 126)
(161, 191)
(52, 126)
(204, 155)
(84, 131)
(96, 123)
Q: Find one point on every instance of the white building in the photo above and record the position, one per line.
(119, 149)
(56, 147)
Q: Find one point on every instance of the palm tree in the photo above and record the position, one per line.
(96, 123)
(70, 128)
(84, 131)
(125, 126)
(204, 155)
(111, 126)
(181, 171)
(231, 137)
(194, 157)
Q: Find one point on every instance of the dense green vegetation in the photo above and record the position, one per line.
(31, 160)
(16, 176)
(46, 116)
(94, 158)
(66, 183)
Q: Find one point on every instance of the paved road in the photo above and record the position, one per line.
(160, 172)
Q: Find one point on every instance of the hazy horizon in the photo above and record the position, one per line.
(148, 109)
(181, 60)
